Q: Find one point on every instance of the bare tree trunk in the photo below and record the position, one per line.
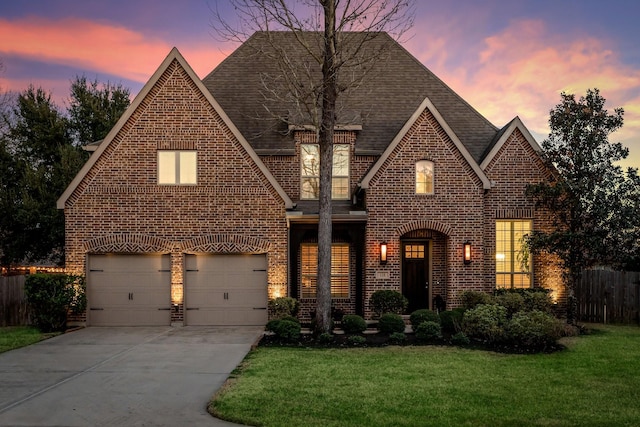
(325, 140)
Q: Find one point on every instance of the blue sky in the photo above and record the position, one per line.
(506, 58)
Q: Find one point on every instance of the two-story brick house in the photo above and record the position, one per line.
(201, 203)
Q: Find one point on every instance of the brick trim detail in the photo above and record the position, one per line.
(423, 224)
(127, 243)
(226, 243)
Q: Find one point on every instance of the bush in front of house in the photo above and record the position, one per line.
(512, 301)
(353, 324)
(471, 299)
(388, 301)
(357, 340)
(485, 322)
(423, 315)
(533, 330)
(451, 320)
(428, 331)
(460, 339)
(52, 296)
(284, 329)
(538, 299)
(397, 338)
(390, 323)
(283, 306)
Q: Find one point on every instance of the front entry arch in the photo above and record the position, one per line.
(416, 273)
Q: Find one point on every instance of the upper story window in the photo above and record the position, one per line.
(310, 172)
(424, 177)
(177, 167)
(513, 263)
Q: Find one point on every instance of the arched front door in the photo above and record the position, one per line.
(415, 273)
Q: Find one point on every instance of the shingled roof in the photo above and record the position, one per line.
(395, 85)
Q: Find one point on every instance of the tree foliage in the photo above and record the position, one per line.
(39, 156)
(335, 35)
(591, 199)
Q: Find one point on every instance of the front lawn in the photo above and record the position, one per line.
(594, 382)
(13, 337)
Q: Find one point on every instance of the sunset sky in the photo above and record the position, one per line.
(504, 57)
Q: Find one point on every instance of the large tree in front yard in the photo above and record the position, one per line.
(336, 36)
(588, 196)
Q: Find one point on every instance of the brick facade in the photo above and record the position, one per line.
(118, 207)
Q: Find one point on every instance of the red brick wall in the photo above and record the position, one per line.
(455, 210)
(119, 207)
(514, 167)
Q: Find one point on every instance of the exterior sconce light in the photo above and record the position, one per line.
(383, 253)
(466, 252)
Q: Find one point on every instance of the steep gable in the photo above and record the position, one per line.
(181, 116)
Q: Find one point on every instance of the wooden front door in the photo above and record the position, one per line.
(415, 274)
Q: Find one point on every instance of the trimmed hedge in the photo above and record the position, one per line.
(428, 331)
(387, 301)
(485, 322)
(284, 329)
(423, 315)
(390, 323)
(353, 324)
(283, 306)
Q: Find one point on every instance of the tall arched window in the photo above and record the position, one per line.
(424, 177)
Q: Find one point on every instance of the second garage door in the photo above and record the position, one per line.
(226, 289)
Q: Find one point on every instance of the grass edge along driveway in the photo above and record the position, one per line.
(12, 337)
(594, 382)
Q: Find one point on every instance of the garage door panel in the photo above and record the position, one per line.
(226, 289)
(129, 290)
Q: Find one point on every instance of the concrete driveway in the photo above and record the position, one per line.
(141, 376)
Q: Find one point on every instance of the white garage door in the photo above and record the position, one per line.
(129, 290)
(226, 289)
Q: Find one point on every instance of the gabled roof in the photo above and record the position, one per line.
(426, 104)
(174, 55)
(503, 136)
(392, 89)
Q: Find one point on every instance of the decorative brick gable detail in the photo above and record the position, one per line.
(127, 243)
(223, 243)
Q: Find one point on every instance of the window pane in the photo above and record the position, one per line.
(513, 268)
(188, 167)
(339, 270)
(166, 167)
(310, 160)
(424, 177)
(340, 160)
(340, 188)
(310, 188)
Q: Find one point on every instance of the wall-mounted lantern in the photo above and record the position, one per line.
(383, 253)
(466, 252)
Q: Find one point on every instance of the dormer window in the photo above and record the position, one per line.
(177, 167)
(424, 177)
(310, 172)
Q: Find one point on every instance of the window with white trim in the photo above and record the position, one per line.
(310, 172)
(513, 261)
(424, 177)
(339, 270)
(177, 167)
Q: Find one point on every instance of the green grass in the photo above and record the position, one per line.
(594, 382)
(13, 337)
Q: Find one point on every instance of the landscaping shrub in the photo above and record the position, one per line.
(353, 324)
(512, 301)
(356, 340)
(451, 321)
(471, 299)
(538, 299)
(423, 315)
(387, 301)
(283, 306)
(397, 338)
(485, 322)
(325, 338)
(533, 329)
(293, 319)
(428, 331)
(52, 296)
(284, 329)
(390, 323)
(460, 339)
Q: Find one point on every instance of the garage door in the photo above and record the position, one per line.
(226, 289)
(129, 290)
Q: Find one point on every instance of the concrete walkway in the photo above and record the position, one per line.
(142, 376)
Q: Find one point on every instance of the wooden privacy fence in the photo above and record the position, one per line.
(608, 296)
(13, 305)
